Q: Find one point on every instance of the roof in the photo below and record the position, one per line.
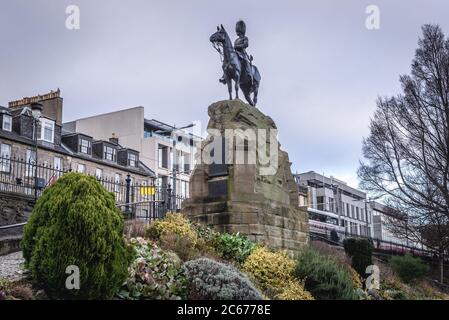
(5, 110)
(386, 210)
(158, 125)
(40, 97)
(63, 149)
(319, 179)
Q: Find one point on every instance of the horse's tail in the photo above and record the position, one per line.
(256, 74)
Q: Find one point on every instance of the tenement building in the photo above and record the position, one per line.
(167, 150)
(36, 150)
(333, 205)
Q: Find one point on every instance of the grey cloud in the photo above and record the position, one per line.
(321, 69)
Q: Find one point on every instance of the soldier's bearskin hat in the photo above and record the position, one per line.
(240, 27)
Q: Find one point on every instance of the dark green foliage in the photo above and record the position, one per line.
(360, 251)
(233, 246)
(154, 274)
(75, 222)
(206, 233)
(408, 268)
(211, 280)
(334, 236)
(323, 278)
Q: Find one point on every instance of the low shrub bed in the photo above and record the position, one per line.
(153, 274)
(273, 272)
(212, 280)
(323, 277)
(408, 268)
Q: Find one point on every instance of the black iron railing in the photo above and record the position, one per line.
(335, 237)
(136, 198)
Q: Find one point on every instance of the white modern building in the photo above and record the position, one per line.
(333, 205)
(170, 157)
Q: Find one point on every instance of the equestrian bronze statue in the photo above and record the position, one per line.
(237, 64)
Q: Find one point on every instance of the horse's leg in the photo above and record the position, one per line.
(256, 91)
(246, 91)
(229, 83)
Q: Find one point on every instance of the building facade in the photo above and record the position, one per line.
(166, 150)
(333, 205)
(35, 151)
(383, 219)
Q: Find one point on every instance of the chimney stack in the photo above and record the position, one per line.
(113, 139)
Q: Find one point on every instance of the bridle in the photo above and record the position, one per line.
(216, 46)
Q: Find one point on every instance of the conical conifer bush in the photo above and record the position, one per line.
(76, 223)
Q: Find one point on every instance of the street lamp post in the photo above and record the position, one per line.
(36, 111)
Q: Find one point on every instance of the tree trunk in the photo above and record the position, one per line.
(442, 268)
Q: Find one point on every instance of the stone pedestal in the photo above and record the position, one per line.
(242, 197)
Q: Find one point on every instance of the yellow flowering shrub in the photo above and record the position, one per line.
(355, 277)
(295, 291)
(272, 270)
(172, 224)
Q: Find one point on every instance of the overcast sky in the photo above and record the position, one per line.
(321, 68)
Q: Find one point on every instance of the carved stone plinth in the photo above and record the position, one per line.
(246, 197)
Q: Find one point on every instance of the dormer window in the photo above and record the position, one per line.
(7, 122)
(132, 160)
(84, 146)
(109, 153)
(48, 130)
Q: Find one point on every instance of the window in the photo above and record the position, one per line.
(132, 160)
(163, 157)
(81, 168)
(57, 163)
(320, 203)
(117, 182)
(5, 156)
(98, 173)
(347, 210)
(183, 189)
(7, 122)
(84, 146)
(48, 130)
(109, 153)
(31, 163)
(352, 211)
(186, 163)
(331, 204)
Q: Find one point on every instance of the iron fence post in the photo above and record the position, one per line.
(169, 193)
(127, 195)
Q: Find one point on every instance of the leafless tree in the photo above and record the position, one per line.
(406, 156)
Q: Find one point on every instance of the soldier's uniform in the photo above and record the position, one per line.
(240, 45)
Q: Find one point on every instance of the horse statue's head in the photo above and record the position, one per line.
(220, 36)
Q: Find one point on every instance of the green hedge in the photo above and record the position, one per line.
(360, 252)
(75, 222)
(408, 268)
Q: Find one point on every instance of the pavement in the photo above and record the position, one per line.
(11, 266)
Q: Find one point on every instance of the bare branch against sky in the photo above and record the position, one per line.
(321, 92)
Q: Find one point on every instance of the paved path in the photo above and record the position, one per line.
(10, 266)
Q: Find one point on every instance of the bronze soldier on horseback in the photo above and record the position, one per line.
(237, 64)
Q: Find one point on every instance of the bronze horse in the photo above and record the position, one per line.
(232, 68)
